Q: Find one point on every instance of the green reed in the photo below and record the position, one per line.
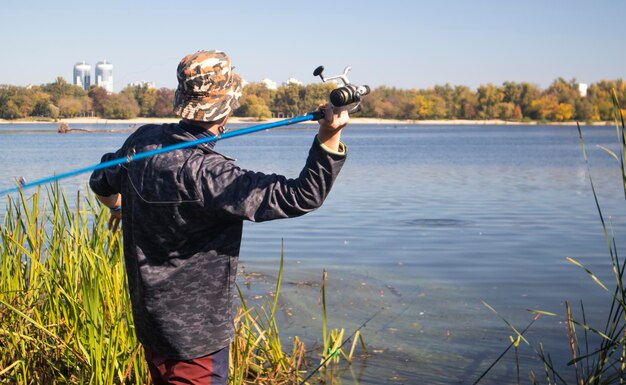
(599, 352)
(257, 355)
(65, 313)
(333, 340)
(603, 362)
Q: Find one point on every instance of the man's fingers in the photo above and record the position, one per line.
(328, 113)
(114, 223)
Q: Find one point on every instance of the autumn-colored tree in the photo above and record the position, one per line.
(529, 92)
(73, 107)
(98, 96)
(512, 93)
(42, 104)
(288, 99)
(563, 112)
(15, 102)
(444, 101)
(428, 105)
(381, 103)
(256, 101)
(568, 96)
(600, 96)
(564, 91)
(164, 103)
(69, 107)
(488, 98)
(9, 110)
(145, 96)
(61, 89)
(423, 107)
(504, 111)
(261, 91)
(583, 110)
(467, 101)
(316, 94)
(254, 106)
(544, 108)
(120, 106)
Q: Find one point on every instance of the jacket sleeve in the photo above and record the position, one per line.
(107, 181)
(258, 197)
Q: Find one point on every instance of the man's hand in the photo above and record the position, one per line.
(115, 219)
(331, 125)
(114, 203)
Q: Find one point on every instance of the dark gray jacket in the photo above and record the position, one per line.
(183, 213)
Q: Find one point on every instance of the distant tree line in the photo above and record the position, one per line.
(560, 102)
(63, 100)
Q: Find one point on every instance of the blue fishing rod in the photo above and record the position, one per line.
(347, 96)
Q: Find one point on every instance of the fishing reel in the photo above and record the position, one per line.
(349, 94)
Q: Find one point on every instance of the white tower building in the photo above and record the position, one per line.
(82, 75)
(104, 75)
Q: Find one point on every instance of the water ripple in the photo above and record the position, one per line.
(438, 222)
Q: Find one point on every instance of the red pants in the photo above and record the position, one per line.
(207, 370)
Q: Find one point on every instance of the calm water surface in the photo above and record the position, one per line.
(425, 221)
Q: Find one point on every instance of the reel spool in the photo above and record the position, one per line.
(347, 95)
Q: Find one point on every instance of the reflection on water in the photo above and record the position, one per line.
(425, 222)
(438, 222)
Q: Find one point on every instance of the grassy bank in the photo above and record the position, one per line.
(65, 313)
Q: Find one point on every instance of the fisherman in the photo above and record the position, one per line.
(182, 219)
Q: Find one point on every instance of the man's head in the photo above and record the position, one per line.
(208, 89)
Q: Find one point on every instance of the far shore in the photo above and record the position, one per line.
(240, 120)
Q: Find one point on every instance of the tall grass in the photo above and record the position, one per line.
(65, 313)
(599, 352)
(603, 362)
(64, 309)
(257, 355)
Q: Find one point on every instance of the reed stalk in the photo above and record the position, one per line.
(65, 313)
(257, 355)
(606, 362)
(333, 340)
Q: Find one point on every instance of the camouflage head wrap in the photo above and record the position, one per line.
(208, 89)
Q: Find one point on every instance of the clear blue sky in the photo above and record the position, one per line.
(405, 44)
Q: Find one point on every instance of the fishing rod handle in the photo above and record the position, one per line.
(317, 115)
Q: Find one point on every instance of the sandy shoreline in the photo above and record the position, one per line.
(237, 120)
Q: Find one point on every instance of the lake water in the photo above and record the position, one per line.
(424, 221)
